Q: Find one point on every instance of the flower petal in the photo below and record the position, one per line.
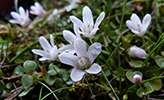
(45, 44)
(68, 59)
(77, 22)
(67, 48)
(80, 47)
(131, 25)
(69, 36)
(22, 12)
(16, 16)
(135, 19)
(87, 16)
(136, 32)
(95, 29)
(99, 19)
(52, 40)
(145, 23)
(39, 52)
(76, 74)
(77, 31)
(14, 21)
(94, 50)
(54, 52)
(94, 69)
(43, 59)
(71, 6)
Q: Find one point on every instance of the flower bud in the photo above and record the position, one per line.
(137, 79)
(137, 52)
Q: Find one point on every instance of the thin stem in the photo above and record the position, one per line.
(57, 90)
(16, 5)
(90, 88)
(60, 75)
(49, 90)
(110, 85)
(17, 90)
(142, 88)
(40, 94)
(119, 60)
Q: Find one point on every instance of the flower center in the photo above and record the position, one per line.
(83, 63)
(88, 28)
(139, 27)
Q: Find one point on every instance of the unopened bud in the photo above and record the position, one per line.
(137, 79)
(137, 52)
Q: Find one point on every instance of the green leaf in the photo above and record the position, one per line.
(100, 38)
(26, 91)
(149, 89)
(140, 92)
(66, 75)
(107, 72)
(2, 86)
(9, 86)
(1, 73)
(50, 80)
(54, 67)
(156, 84)
(130, 74)
(19, 70)
(59, 82)
(136, 64)
(69, 82)
(117, 73)
(104, 86)
(160, 61)
(37, 78)
(51, 72)
(27, 81)
(29, 66)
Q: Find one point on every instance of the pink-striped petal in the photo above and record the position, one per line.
(76, 74)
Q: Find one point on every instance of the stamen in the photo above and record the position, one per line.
(72, 42)
(83, 63)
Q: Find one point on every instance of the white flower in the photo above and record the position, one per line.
(38, 10)
(137, 79)
(137, 52)
(73, 4)
(82, 61)
(138, 27)
(21, 18)
(70, 37)
(50, 51)
(87, 27)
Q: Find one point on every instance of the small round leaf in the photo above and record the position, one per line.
(156, 84)
(130, 74)
(149, 89)
(50, 80)
(160, 61)
(19, 70)
(136, 64)
(51, 72)
(27, 81)
(29, 66)
(2, 86)
(140, 92)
